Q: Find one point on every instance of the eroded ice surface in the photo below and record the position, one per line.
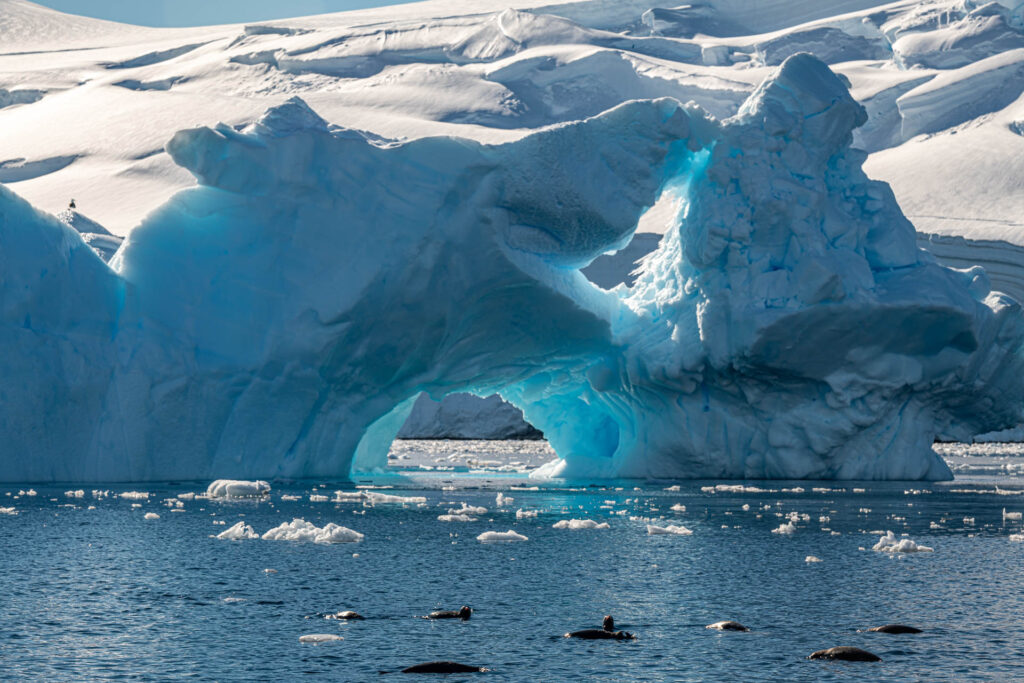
(289, 310)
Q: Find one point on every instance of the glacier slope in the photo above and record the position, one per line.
(280, 319)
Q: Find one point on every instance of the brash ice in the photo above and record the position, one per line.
(280, 318)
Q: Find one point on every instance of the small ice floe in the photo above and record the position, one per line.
(670, 530)
(234, 599)
(786, 528)
(187, 496)
(374, 498)
(30, 493)
(675, 487)
(969, 521)
(523, 514)
(317, 638)
(890, 544)
(495, 536)
(301, 530)
(746, 507)
(455, 518)
(502, 500)
(134, 495)
(1013, 537)
(679, 507)
(467, 510)
(288, 496)
(318, 498)
(151, 515)
(97, 493)
(812, 558)
(577, 524)
(732, 488)
(795, 489)
(1012, 515)
(237, 488)
(75, 494)
(8, 511)
(239, 532)
(136, 505)
(269, 571)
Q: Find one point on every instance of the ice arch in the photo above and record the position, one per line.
(280, 318)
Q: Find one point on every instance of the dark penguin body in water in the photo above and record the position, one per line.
(845, 653)
(442, 668)
(727, 626)
(607, 632)
(463, 613)
(894, 628)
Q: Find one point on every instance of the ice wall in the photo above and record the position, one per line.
(281, 318)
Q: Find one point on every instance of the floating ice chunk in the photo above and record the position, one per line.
(30, 493)
(679, 507)
(1017, 537)
(670, 530)
(502, 500)
(318, 498)
(100, 494)
(8, 511)
(301, 530)
(375, 498)
(455, 518)
(237, 488)
(890, 544)
(467, 510)
(134, 495)
(187, 496)
(75, 494)
(786, 528)
(151, 515)
(317, 638)
(969, 521)
(812, 559)
(523, 514)
(673, 488)
(576, 524)
(288, 496)
(1012, 515)
(492, 536)
(239, 532)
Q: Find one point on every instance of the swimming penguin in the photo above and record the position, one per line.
(442, 668)
(464, 613)
(846, 654)
(606, 632)
(727, 626)
(895, 628)
(346, 614)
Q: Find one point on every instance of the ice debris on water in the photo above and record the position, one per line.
(134, 495)
(237, 488)
(493, 536)
(301, 530)
(525, 514)
(785, 529)
(8, 511)
(467, 510)
(577, 524)
(151, 515)
(502, 500)
(679, 507)
(812, 559)
(455, 518)
(317, 638)
(890, 544)
(75, 494)
(670, 530)
(239, 532)
(1017, 516)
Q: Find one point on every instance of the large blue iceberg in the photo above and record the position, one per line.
(280, 319)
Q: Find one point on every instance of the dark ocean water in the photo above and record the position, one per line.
(105, 594)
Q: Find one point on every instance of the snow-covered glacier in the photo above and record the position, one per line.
(280, 319)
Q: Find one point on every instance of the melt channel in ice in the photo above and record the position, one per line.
(281, 318)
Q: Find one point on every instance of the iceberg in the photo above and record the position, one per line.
(281, 318)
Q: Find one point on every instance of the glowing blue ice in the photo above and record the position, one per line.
(281, 318)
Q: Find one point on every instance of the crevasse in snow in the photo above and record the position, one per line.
(281, 318)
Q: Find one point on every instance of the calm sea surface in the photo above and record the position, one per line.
(92, 590)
